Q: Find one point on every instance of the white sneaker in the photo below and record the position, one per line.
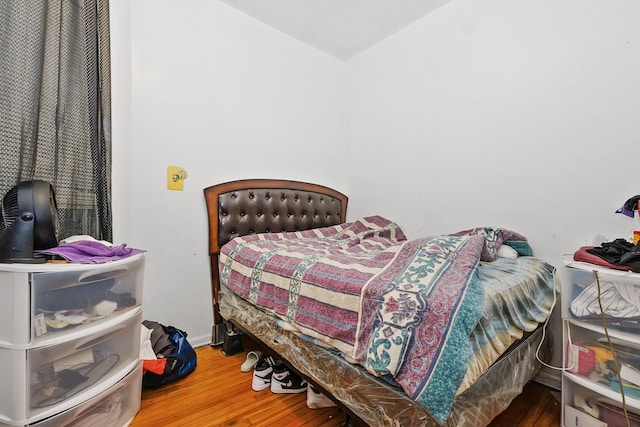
(262, 374)
(285, 381)
(317, 400)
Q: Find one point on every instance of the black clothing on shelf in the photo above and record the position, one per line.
(619, 252)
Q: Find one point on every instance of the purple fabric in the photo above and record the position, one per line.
(90, 252)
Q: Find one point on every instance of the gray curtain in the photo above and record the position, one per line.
(55, 112)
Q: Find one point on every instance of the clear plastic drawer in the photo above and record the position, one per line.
(598, 362)
(42, 304)
(587, 288)
(582, 406)
(116, 407)
(45, 380)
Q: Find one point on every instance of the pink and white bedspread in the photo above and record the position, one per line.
(403, 309)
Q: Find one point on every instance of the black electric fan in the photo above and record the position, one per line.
(28, 222)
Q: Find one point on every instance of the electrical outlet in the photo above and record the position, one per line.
(175, 178)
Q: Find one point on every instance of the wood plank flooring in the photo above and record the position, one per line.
(218, 394)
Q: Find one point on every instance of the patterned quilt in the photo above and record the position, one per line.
(403, 309)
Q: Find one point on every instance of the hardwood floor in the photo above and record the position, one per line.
(218, 394)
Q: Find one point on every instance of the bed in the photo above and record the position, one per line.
(379, 368)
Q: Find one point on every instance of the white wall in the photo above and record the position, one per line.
(508, 113)
(518, 114)
(225, 97)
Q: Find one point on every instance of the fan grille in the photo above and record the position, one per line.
(9, 211)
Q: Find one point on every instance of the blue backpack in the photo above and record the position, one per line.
(171, 344)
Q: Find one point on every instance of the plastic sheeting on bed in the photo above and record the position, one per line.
(375, 401)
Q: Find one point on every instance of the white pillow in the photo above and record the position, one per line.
(507, 251)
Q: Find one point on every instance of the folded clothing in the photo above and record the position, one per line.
(620, 300)
(91, 252)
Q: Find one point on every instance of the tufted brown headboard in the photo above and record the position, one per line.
(238, 208)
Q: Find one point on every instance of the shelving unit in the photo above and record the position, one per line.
(70, 343)
(591, 394)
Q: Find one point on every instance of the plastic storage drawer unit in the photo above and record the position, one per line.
(601, 345)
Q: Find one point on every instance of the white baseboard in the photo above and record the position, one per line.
(199, 341)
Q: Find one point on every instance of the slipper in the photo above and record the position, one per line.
(252, 359)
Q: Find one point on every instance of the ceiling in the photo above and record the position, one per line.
(342, 28)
